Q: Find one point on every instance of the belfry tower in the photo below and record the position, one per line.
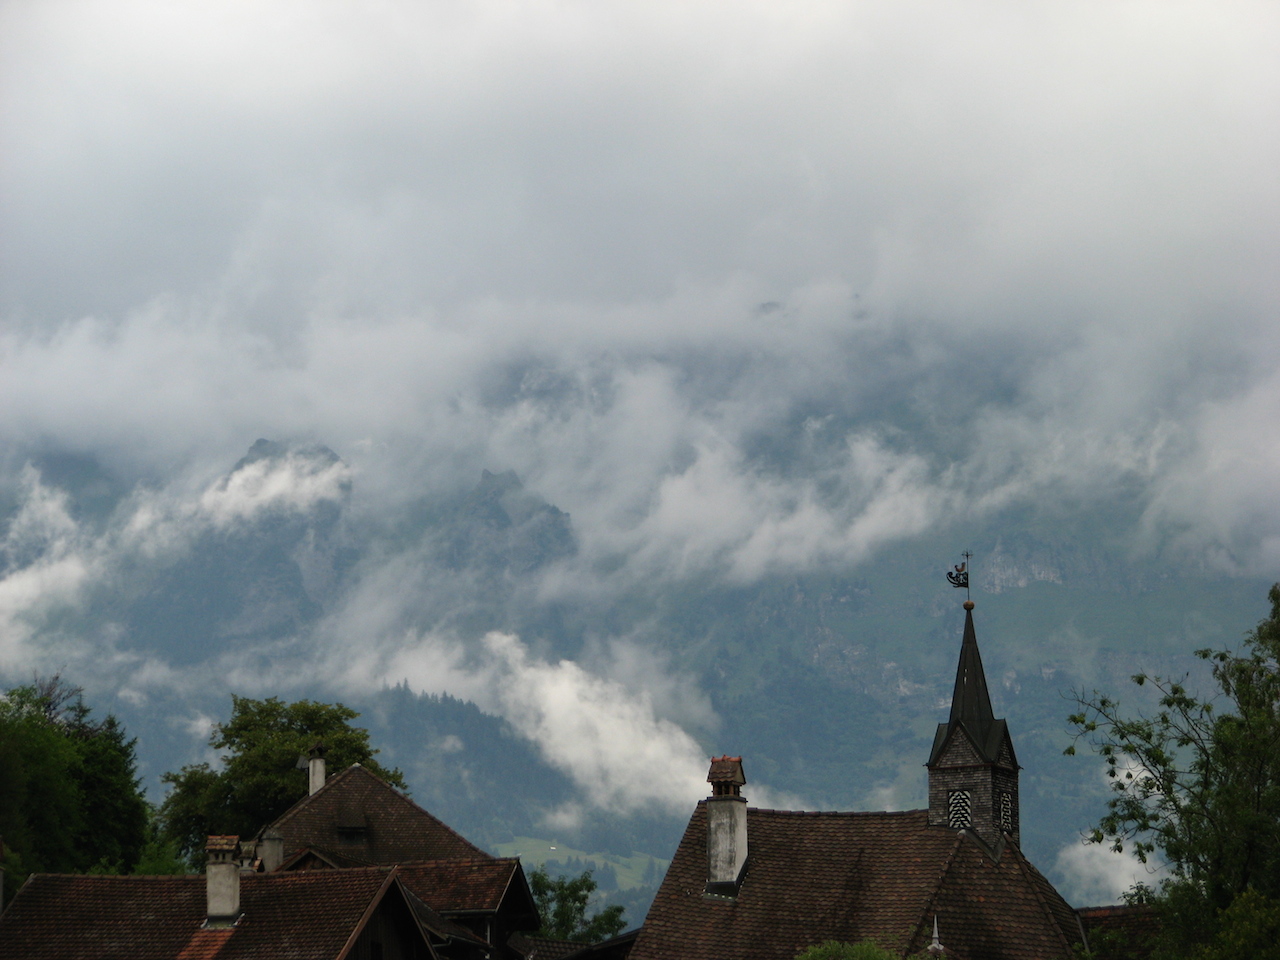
(973, 771)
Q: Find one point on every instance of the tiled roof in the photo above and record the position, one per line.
(542, 948)
(812, 877)
(456, 887)
(615, 948)
(306, 916)
(442, 927)
(359, 817)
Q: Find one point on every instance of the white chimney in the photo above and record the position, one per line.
(271, 850)
(315, 768)
(726, 827)
(222, 882)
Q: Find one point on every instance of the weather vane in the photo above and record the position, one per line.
(960, 578)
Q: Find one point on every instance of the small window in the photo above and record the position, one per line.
(959, 809)
(1006, 811)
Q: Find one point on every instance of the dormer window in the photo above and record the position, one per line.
(959, 810)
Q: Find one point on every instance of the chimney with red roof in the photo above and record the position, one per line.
(726, 827)
(222, 881)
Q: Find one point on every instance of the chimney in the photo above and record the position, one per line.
(222, 882)
(271, 850)
(726, 827)
(315, 768)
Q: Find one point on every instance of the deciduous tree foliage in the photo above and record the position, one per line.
(1197, 783)
(260, 778)
(70, 798)
(562, 904)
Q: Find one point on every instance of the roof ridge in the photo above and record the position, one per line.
(306, 798)
(350, 772)
(936, 889)
(423, 810)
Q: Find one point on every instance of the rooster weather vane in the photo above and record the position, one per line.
(960, 577)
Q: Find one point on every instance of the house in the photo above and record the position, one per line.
(353, 870)
(358, 914)
(757, 884)
(355, 819)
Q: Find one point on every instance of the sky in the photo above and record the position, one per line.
(745, 288)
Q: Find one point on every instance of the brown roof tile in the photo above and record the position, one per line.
(812, 877)
(358, 817)
(297, 916)
(456, 887)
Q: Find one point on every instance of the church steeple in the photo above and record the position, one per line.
(973, 771)
(970, 701)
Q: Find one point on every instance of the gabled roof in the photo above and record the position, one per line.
(356, 816)
(812, 877)
(456, 888)
(545, 948)
(307, 916)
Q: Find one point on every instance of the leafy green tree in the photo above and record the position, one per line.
(259, 778)
(70, 798)
(835, 950)
(1197, 782)
(562, 904)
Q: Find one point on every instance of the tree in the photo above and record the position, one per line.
(260, 778)
(1198, 783)
(70, 797)
(562, 905)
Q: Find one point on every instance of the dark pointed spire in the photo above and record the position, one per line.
(970, 701)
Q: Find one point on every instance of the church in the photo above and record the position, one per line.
(949, 880)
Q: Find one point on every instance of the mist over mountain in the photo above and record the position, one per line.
(518, 707)
(627, 377)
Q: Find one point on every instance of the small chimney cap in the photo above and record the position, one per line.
(222, 845)
(318, 750)
(726, 769)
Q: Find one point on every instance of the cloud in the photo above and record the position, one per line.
(746, 289)
(1094, 875)
(45, 568)
(606, 737)
(990, 253)
(294, 483)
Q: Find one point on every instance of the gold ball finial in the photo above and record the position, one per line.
(968, 604)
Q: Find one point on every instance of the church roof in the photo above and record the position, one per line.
(356, 817)
(812, 877)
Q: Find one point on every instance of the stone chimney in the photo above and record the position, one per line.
(271, 850)
(726, 827)
(315, 767)
(222, 882)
